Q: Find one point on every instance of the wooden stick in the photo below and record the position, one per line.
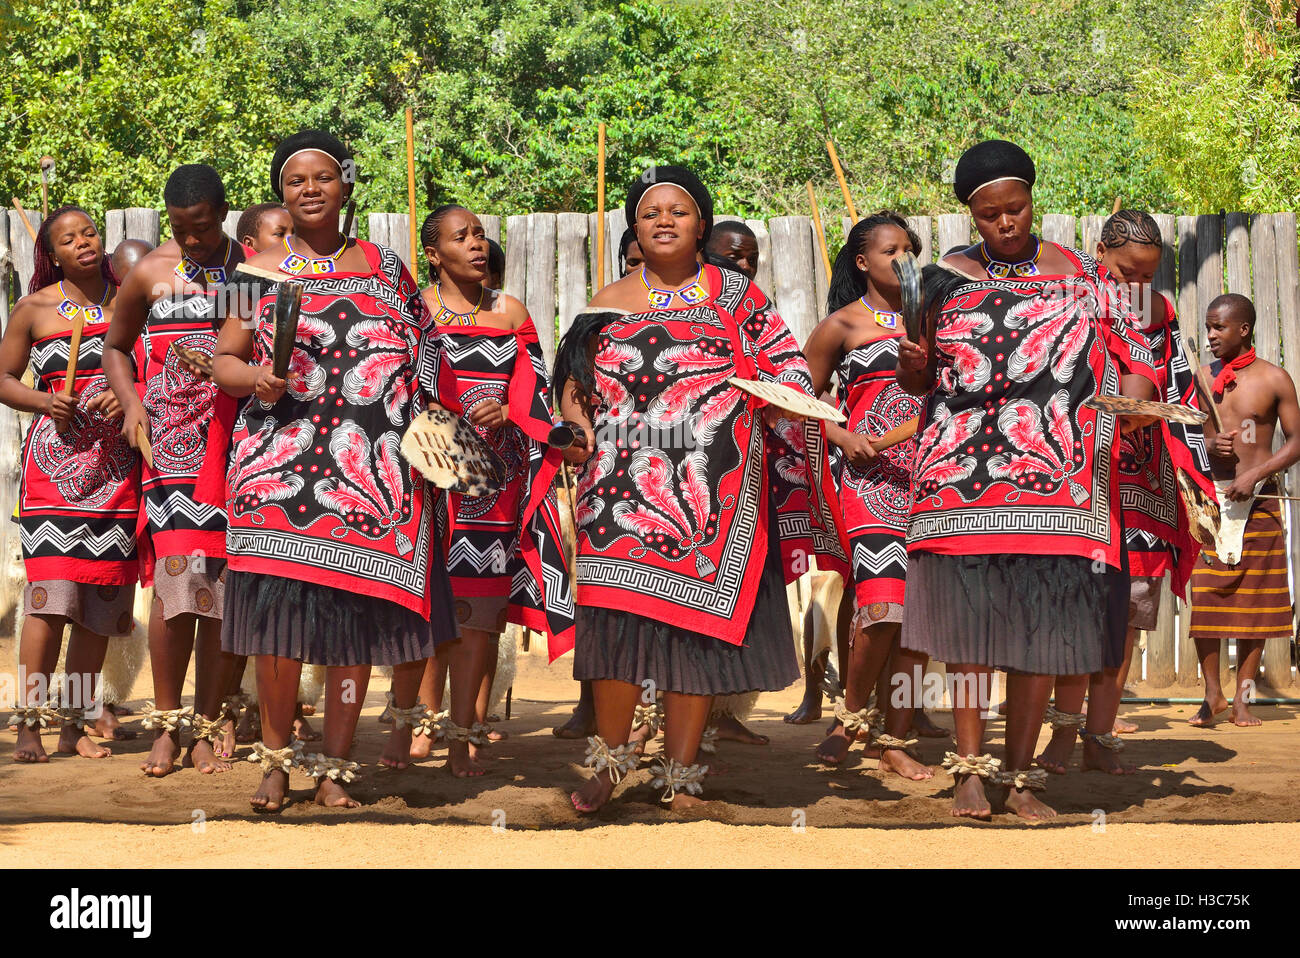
(410, 186)
(74, 347)
(600, 208)
(1287, 498)
(1203, 386)
(145, 447)
(22, 214)
(896, 435)
(1115, 209)
(844, 185)
(821, 237)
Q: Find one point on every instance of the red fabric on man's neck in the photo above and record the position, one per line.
(1228, 374)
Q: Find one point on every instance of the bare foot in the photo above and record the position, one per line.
(1241, 715)
(1028, 807)
(581, 724)
(460, 762)
(249, 729)
(638, 738)
(331, 794)
(73, 741)
(480, 753)
(302, 730)
(494, 735)
(969, 800)
(1056, 756)
(924, 726)
(809, 711)
(270, 795)
(28, 749)
(685, 804)
(730, 729)
(421, 746)
(202, 757)
(107, 726)
(896, 760)
(397, 751)
(225, 747)
(835, 747)
(1205, 715)
(1099, 759)
(592, 794)
(162, 757)
(1124, 727)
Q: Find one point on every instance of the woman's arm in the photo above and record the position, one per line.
(230, 368)
(573, 408)
(15, 354)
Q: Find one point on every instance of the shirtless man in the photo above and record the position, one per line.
(171, 296)
(1249, 601)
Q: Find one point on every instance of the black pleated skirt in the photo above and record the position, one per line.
(320, 625)
(612, 644)
(1045, 615)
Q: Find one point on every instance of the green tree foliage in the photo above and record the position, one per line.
(1106, 94)
(120, 92)
(1224, 117)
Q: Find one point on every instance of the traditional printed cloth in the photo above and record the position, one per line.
(877, 499)
(509, 543)
(80, 497)
(672, 506)
(1155, 520)
(1250, 600)
(316, 487)
(1009, 461)
(180, 408)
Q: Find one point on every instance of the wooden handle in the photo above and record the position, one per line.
(600, 208)
(1204, 386)
(844, 185)
(410, 187)
(22, 214)
(896, 435)
(146, 448)
(821, 236)
(70, 378)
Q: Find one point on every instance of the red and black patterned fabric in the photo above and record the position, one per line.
(316, 487)
(1155, 519)
(80, 497)
(672, 506)
(1009, 461)
(509, 543)
(877, 499)
(180, 407)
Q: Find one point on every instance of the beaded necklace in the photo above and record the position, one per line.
(454, 318)
(189, 270)
(882, 317)
(690, 294)
(69, 310)
(295, 263)
(1000, 270)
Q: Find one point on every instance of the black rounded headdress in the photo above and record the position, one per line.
(319, 141)
(678, 175)
(989, 162)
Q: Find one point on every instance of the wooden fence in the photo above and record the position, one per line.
(551, 265)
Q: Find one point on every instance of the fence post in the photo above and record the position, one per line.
(114, 228)
(143, 224)
(571, 247)
(764, 275)
(792, 265)
(1164, 278)
(1288, 286)
(1209, 268)
(1059, 228)
(516, 256)
(491, 227)
(1189, 316)
(954, 230)
(540, 285)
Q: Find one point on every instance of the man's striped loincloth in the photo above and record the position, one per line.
(1250, 600)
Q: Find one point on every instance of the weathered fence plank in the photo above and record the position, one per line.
(923, 227)
(1059, 228)
(764, 275)
(1277, 653)
(114, 228)
(1160, 642)
(143, 224)
(491, 226)
(1189, 316)
(516, 256)
(1209, 269)
(792, 255)
(539, 285)
(954, 230)
(571, 249)
(21, 248)
(1164, 278)
(1237, 255)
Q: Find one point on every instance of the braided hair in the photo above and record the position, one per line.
(1131, 226)
(48, 271)
(431, 230)
(847, 282)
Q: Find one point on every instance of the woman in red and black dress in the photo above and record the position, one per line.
(858, 342)
(1014, 485)
(81, 484)
(331, 548)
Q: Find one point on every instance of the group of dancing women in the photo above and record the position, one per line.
(281, 527)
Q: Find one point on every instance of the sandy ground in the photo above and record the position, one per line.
(1224, 788)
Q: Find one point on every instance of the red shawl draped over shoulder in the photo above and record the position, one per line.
(509, 543)
(672, 507)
